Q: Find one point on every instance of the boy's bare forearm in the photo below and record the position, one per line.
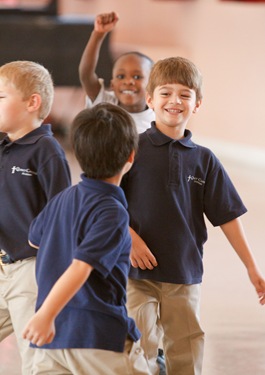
(88, 64)
(66, 287)
(104, 23)
(40, 329)
(234, 232)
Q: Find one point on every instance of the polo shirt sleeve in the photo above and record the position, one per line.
(54, 176)
(222, 202)
(106, 240)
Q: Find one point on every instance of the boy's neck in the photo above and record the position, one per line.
(21, 132)
(115, 180)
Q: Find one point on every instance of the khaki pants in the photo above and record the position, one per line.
(172, 311)
(18, 293)
(91, 361)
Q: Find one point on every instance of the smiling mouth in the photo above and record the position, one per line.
(128, 92)
(173, 111)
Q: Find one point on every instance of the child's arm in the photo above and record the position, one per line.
(141, 256)
(32, 245)
(40, 329)
(234, 232)
(104, 23)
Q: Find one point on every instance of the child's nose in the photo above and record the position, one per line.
(130, 81)
(176, 99)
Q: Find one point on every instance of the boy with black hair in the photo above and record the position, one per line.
(81, 323)
(129, 75)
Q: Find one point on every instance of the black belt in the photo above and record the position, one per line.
(5, 258)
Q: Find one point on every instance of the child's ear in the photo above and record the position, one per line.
(34, 102)
(129, 163)
(149, 100)
(131, 157)
(198, 104)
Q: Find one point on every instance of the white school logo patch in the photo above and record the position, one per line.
(196, 180)
(23, 171)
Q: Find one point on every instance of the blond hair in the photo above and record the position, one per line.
(30, 78)
(175, 70)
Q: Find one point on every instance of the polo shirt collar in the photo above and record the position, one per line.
(105, 188)
(158, 138)
(30, 137)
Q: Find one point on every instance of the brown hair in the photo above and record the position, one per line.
(175, 70)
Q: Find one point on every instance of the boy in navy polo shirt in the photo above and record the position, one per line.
(83, 258)
(130, 75)
(171, 186)
(33, 169)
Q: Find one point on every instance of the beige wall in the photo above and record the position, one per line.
(225, 39)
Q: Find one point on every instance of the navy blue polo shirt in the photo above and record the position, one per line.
(32, 170)
(171, 186)
(88, 222)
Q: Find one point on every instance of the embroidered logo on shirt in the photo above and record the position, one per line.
(24, 172)
(196, 180)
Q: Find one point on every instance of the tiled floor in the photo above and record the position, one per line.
(233, 320)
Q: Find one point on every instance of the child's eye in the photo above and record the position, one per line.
(186, 96)
(137, 76)
(120, 76)
(164, 93)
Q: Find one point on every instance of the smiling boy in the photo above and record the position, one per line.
(129, 75)
(171, 186)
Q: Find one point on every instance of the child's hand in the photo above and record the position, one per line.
(259, 284)
(106, 22)
(39, 330)
(141, 256)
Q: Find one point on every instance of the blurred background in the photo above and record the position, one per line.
(226, 40)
